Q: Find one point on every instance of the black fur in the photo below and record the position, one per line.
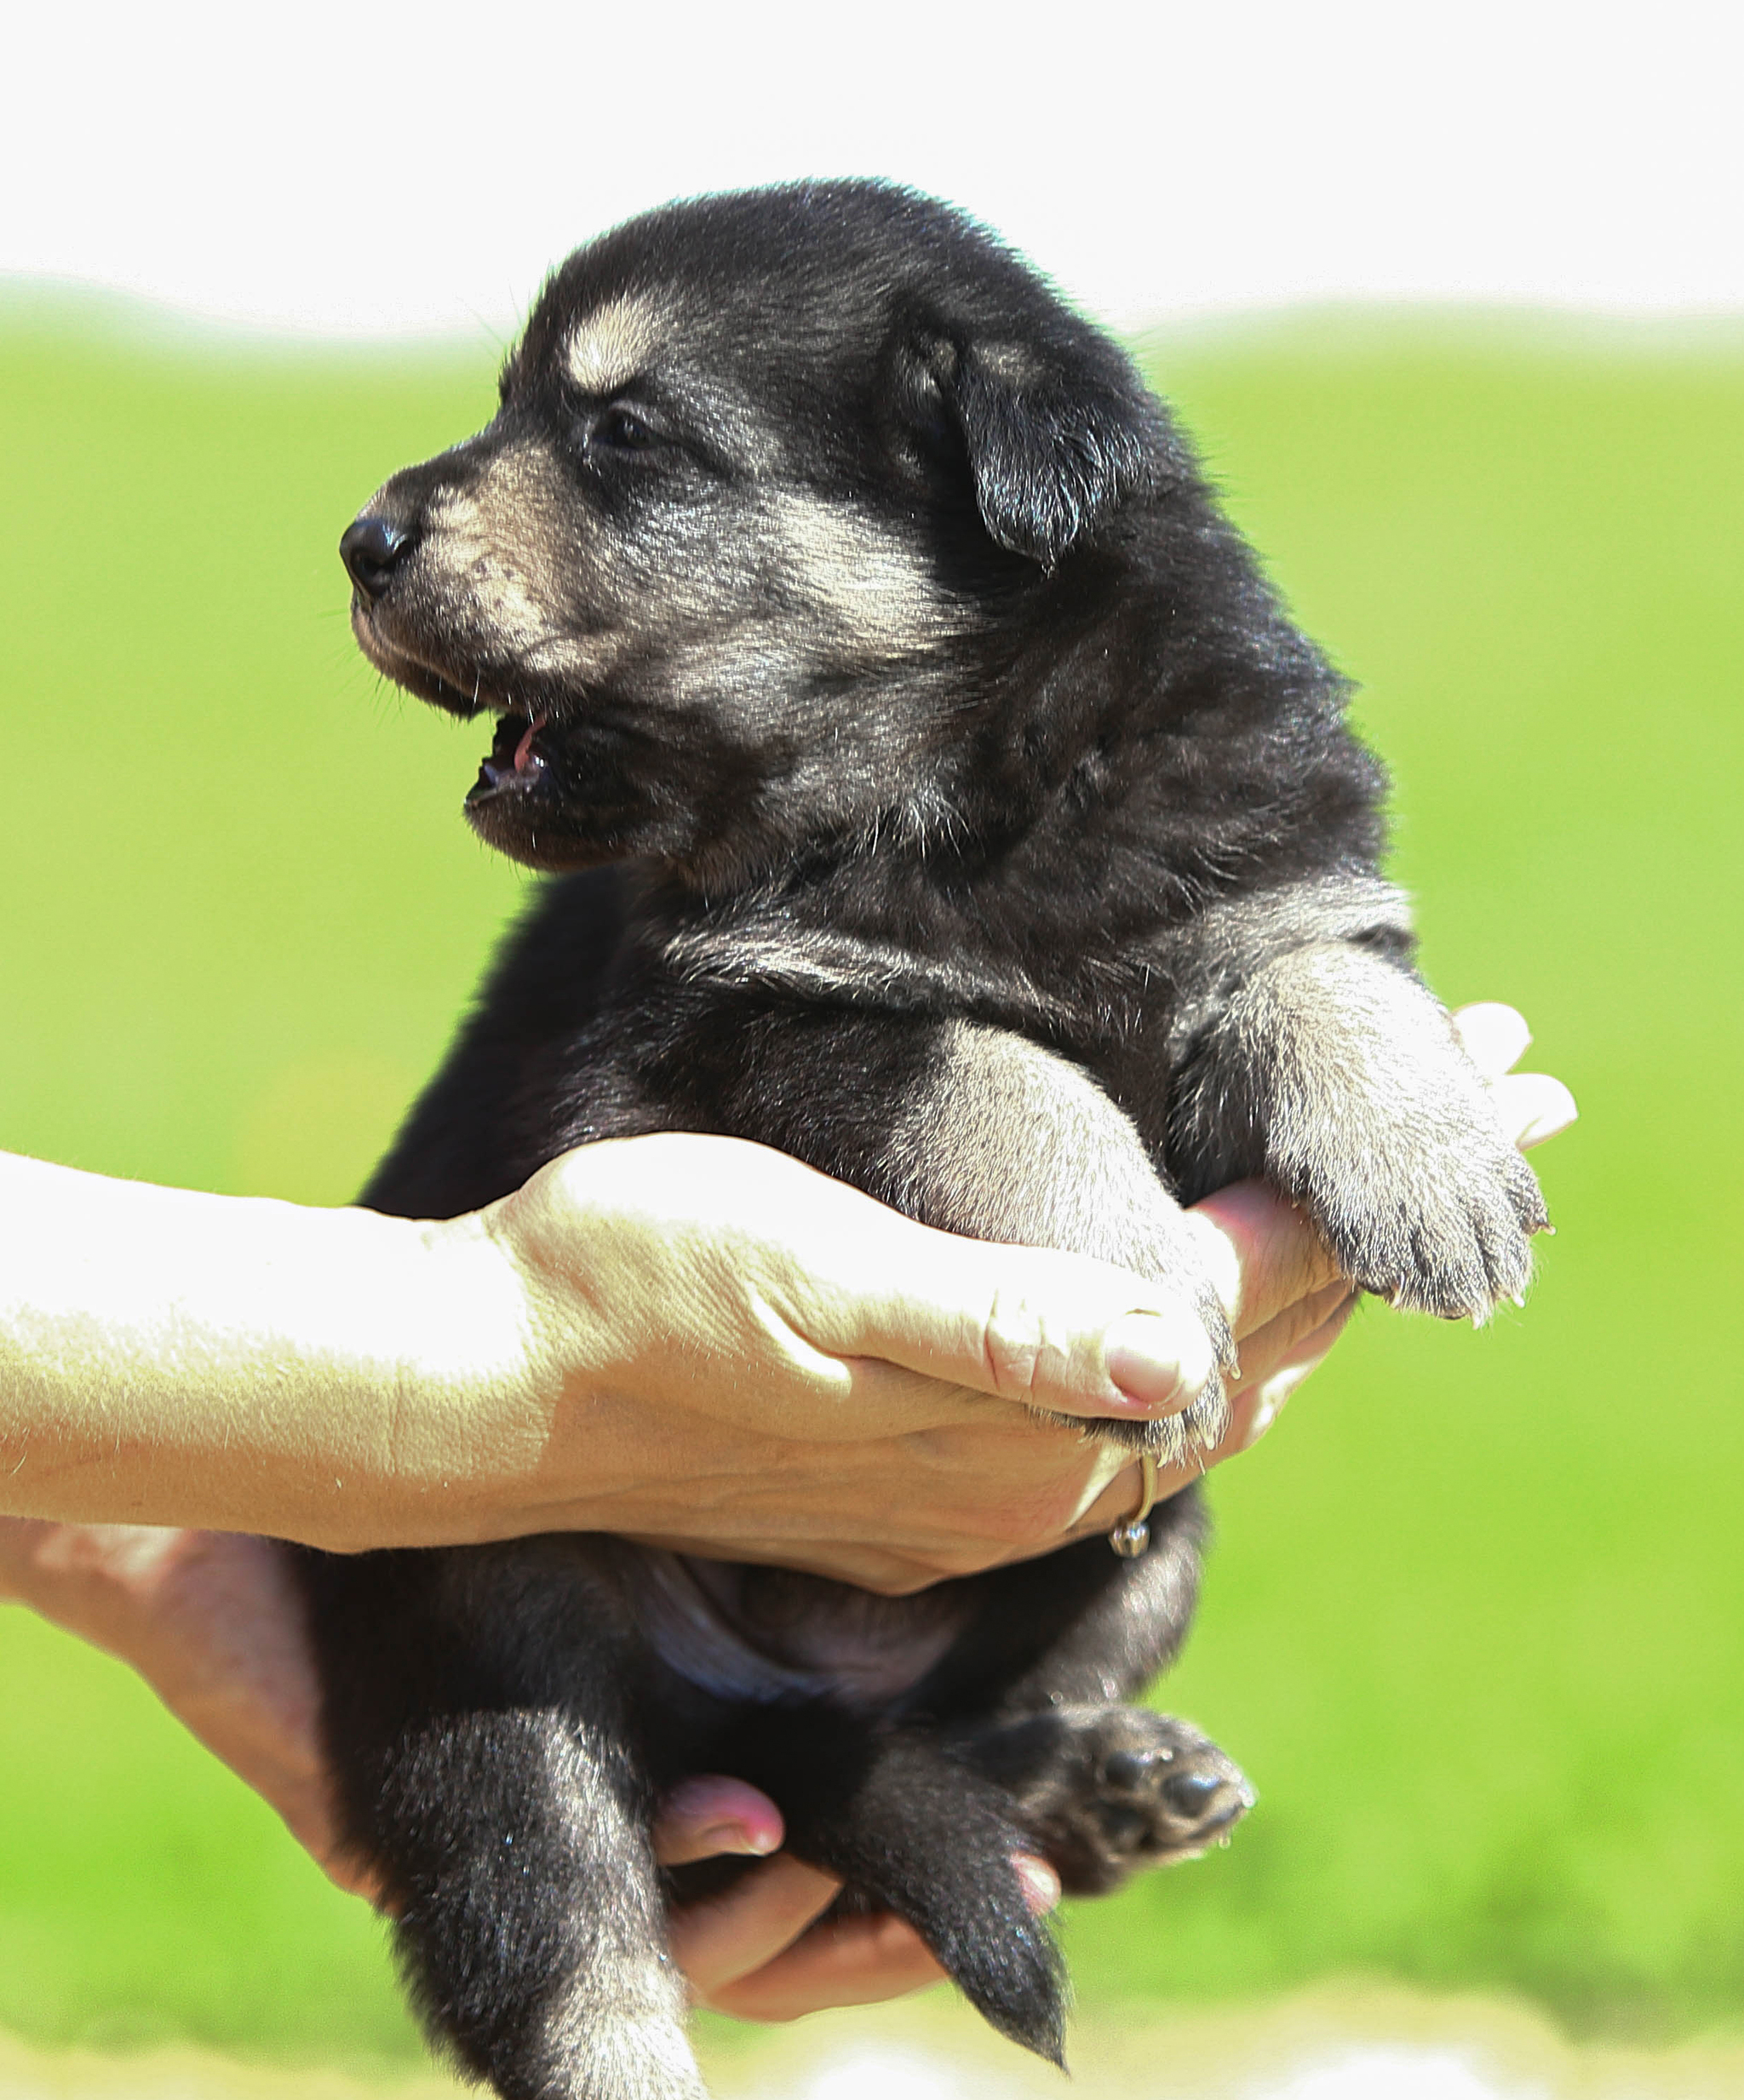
(950, 801)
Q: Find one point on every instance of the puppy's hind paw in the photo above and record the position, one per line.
(1108, 1790)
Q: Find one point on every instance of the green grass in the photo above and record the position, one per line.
(1473, 1621)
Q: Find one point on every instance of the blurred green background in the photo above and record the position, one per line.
(1473, 1622)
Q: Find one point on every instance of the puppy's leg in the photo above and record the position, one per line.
(914, 1827)
(1006, 1140)
(530, 1928)
(479, 1730)
(1075, 1628)
(1338, 1075)
(986, 1133)
(1101, 1789)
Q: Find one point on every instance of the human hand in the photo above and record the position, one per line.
(214, 1623)
(817, 1371)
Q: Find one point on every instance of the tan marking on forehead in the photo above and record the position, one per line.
(612, 344)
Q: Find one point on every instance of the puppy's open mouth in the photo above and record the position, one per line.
(516, 762)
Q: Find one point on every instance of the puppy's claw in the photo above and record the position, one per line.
(1174, 1440)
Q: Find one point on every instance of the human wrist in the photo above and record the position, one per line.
(468, 1416)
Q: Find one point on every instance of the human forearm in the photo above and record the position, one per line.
(634, 1343)
(649, 1339)
(176, 1358)
(684, 1339)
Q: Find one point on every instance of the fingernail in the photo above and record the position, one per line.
(1553, 1109)
(735, 1838)
(1160, 1365)
(1040, 1884)
(1549, 1125)
(1495, 1037)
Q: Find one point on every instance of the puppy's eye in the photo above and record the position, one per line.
(622, 430)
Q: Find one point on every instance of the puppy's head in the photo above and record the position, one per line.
(777, 484)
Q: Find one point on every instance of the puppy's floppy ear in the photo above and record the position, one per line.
(1053, 442)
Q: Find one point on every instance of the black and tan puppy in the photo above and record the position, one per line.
(948, 800)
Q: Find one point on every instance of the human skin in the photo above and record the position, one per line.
(208, 1617)
(804, 1360)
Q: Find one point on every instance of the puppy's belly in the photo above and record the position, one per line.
(767, 1634)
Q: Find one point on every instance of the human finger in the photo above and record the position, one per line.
(1299, 1328)
(1051, 1329)
(1494, 1036)
(1534, 1107)
(1258, 1401)
(704, 1816)
(721, 1939)
(857, 1960)
(792, 1283)
(844, 1961)
(1263, 1255)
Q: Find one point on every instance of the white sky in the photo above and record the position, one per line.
(355, 166)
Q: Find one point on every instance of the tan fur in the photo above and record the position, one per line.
(863, 578)
(497, 548)
(1010, 1141)
(610, 347)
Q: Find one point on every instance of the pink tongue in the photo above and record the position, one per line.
(524, 759)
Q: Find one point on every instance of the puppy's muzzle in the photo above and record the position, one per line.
(372, 548)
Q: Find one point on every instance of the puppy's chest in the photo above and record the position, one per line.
(826, 1063)
(778, 1023)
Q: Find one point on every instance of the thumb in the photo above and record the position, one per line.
(1021, 1323)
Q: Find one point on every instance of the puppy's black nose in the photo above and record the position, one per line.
(371, 550)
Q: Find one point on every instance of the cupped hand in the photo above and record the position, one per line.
(829, 1384)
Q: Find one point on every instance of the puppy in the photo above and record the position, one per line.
(935, 790)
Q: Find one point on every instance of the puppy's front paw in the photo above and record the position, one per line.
(1434, 1211)
(1165, 1247)
(1177, 1439)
